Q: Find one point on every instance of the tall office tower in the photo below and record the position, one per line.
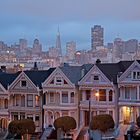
(97, 37)
(70, 50)
(37, 47)
(118, 47)
(131, 45)
(58, 43)
(22, 44)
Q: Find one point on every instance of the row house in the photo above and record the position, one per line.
(77, 91)
(61, 95)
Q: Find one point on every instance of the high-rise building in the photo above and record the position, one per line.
(22, 44)
(131, 45)
(37, 47)
(58, 43)
(97, 37)
(70, 50)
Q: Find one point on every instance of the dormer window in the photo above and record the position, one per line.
(58, 81)
(23, 83)
(96, 77)
(136, 75)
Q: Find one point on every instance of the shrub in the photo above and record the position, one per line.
(102, 122)
(66, 123)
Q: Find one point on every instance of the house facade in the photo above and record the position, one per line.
(43, 96)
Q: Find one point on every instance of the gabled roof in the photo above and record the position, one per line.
(74, 72)
(111, 70)
(38, 77)
(7, 78)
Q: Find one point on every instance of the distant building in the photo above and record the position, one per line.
(70, 50)
(37, 47)
(118, 48)
(22, 44)
(97, 37)
(58, 43)
(131, 45)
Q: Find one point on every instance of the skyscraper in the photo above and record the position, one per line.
(22, 44)
(97, 37)
(58, 43)
(70, 50)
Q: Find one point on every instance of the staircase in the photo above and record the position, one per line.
(82, 133)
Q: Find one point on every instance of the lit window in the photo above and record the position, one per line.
(102, 93)
(36, 100)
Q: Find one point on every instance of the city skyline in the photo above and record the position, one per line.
(31, 19)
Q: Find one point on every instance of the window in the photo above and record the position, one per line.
(22, 101)
(51, 97)
(30, 100)
(102, 112)
(37, 100)
(37, 120)
(87, 94)
(110, 95)
(96, 77)
(58, 81)
(23, 83)
(17, 100)
(72, 97)
(102, 93)
(30, 117)
(136, 75)
(127, 92)
(64, 97)
(5, 103)
(52, 82)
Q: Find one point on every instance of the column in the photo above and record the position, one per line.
(33, 100)
(138, 92)
(18, 116)
(25, 100)
(83, 95)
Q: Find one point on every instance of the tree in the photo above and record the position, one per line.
(21, 127)
(66, 123)
(102, 122)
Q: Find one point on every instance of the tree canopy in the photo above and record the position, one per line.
(102, 122)
(66, 123)
(21, 127)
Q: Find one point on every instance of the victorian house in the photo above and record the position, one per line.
(77, 91)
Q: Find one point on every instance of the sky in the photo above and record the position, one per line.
(40, 19)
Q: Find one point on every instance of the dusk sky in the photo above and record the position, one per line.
(40, 18)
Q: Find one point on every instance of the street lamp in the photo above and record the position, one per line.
(96, 95)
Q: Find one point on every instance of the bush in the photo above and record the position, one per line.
(66, 123)
(21, 127)
(102, 122)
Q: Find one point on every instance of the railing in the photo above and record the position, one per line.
(96, 103)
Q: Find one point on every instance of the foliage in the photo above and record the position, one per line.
(102, 122)
(21, 127)
(138, 121)
(66, 123)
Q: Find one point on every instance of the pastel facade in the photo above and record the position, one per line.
(43, 96)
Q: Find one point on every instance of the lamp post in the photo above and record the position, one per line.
(89, 106)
